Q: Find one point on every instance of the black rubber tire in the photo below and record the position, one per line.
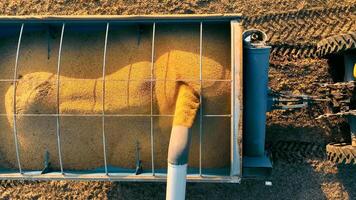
(336, 44)
(341, 153)
(296, 151)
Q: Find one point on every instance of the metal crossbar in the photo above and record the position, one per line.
(58, 109)
(236, 102)
(103, 99)
(96, 115)
(138, 80)
(14, 99)
(151, 84)
(200, 96)
(232, 123)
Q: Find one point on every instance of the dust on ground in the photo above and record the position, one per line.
(312, 179)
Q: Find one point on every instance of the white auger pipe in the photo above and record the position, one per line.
(176, 182)
(177, 163)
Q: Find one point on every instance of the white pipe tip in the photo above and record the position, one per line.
(268, 183)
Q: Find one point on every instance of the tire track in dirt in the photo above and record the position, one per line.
(296, 34)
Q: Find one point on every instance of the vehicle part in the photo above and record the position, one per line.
(79, 56)
(336, 44)
(256, 63)
(343, 152)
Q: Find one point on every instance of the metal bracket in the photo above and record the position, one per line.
(286, 100)
(139, 168)
(260, 166)
(139, 33)
(47, 164)
(254, 38)
(345, 113)
(51, 34)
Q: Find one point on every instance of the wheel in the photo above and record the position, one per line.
(341, 153)
(336, 44)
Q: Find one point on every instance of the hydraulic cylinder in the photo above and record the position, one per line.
(256, 63)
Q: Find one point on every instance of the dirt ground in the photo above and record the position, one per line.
(311, 178)
(314, 179)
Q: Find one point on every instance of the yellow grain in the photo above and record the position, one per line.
(128, 91)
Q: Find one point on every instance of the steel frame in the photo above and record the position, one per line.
(235, 169)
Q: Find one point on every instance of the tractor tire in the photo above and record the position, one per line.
(296, 151)
(336, 44)
(341, 153)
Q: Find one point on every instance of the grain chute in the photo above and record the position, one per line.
(86, 103)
